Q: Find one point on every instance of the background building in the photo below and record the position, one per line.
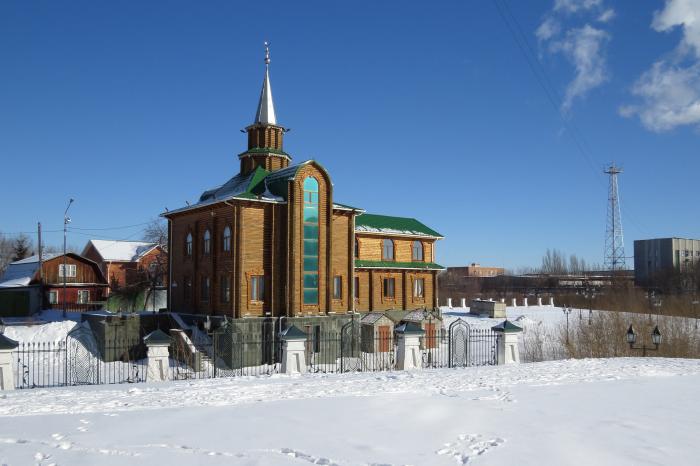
(476, 270)
(656, 257)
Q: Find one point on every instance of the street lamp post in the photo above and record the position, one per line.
(66, 221)
(567, 311)
(655, 339)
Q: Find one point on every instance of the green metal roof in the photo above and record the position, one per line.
(373, 223)
(6, 343)
(364, 264)
(264, 150)
(506, 327)
(410, 328)
(157, 337)
(293, 333)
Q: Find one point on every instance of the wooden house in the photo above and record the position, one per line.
(85, 284)
(128, 263)
(274, 241)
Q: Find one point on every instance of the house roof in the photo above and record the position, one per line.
(372, 318)
(365, 264)
(120, 251)
(21, 272)
(373, 223)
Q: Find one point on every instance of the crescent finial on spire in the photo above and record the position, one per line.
(267, 53)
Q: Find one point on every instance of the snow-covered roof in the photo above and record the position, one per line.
(21, 272)
(120, 251)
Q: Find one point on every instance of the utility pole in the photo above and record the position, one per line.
(66, 221)
(39, 252)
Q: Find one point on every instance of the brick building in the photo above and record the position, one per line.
(476, 270)
(273, 241)
(127, 263)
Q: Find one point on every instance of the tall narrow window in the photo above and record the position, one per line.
(207, 242)
(188, 244)
(257, 288)
(357, 249)
(388, 250)
(227, 239)
(389, 287)
(205, 289)
(417, 251)
(311, 221)
(337, 287)
(356, 291)
(418, 286)
(225, 289)
(53, 297)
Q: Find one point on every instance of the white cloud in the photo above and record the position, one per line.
(607, 15)
(669, 92)
(582, 44)
(572, 6)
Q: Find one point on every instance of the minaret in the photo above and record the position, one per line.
(265, 135)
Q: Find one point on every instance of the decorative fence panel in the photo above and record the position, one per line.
(81, 359)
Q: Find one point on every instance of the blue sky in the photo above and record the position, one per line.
(417, 109)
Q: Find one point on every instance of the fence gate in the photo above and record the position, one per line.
(82, 357)
(471, 346)
(350, 360)
(228, 351)
(458, 347)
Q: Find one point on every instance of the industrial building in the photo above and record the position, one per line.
(653, 257)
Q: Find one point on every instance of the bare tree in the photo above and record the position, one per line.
(157, 232)
(6, 252)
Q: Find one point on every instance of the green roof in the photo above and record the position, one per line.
(373, 223)
(506, 327)
(293, 333)
(6, 343)
(264, 150)
(157, 337)
(364, 264)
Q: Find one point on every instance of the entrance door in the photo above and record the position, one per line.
(384, 334)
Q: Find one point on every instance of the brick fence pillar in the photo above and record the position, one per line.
(508, 352)
(293, 351)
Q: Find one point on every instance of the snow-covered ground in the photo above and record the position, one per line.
(603, 411)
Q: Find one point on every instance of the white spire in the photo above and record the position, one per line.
(266, 109)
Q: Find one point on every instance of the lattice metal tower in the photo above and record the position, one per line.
(614, 240)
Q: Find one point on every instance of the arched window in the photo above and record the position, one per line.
(310, 239)
(388, 250)
(207, 242)
(227, 239)
(417, 251)
(357, 249)
(188, 244)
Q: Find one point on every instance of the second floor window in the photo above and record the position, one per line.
(207, 242)
(68, 272)
(417, 251)
(188, 244)
(227, 239)
(388, 250)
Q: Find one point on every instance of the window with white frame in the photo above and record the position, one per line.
(417, 251)
(53, 297)
(70, 270)
(188, 244)
(83, 296)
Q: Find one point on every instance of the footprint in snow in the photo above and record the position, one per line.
(468, 447)
(39, 456)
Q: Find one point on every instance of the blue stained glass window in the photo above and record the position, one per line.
(310, 240)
